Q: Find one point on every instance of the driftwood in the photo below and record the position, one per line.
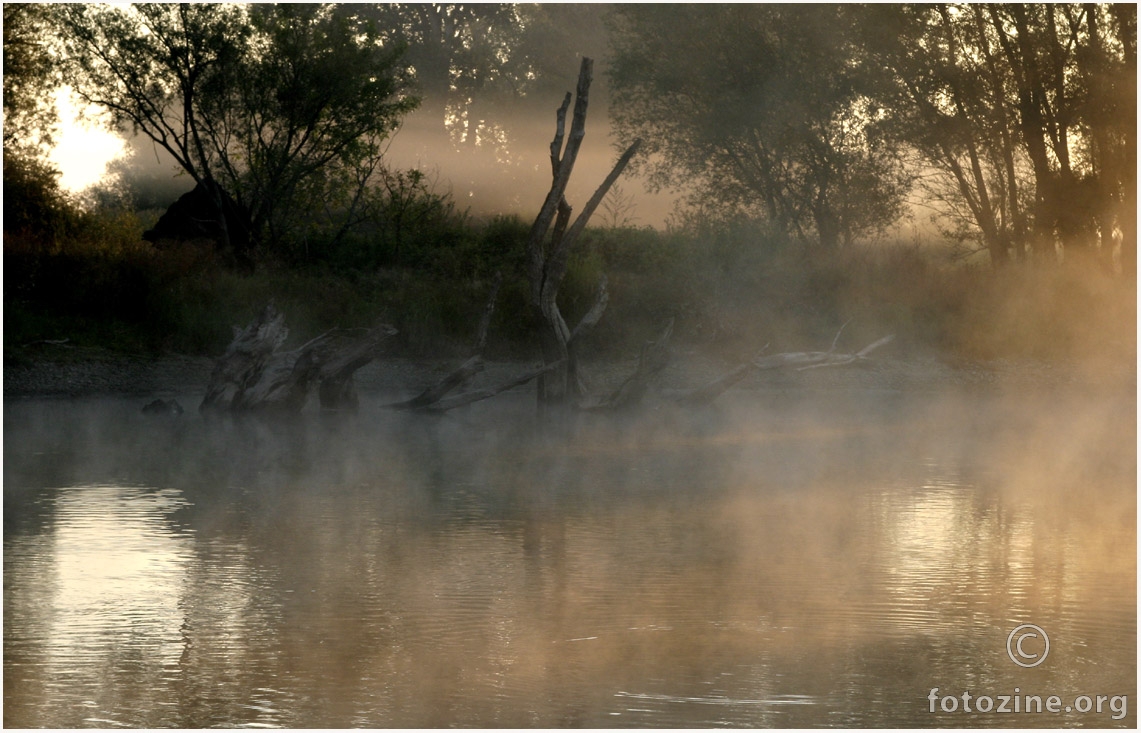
(450, 403)
(654, 358)
(801, 360)
(347, 351)
(711, 391)
(798, 360)
(252, 375)
(435, 398)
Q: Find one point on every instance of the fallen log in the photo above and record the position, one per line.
(706, 394)
(654, 357)
(432, 398)
(467, 398)
(798, 360)
(336, 388)
(427, 399)
(801, 360)
(252, 375)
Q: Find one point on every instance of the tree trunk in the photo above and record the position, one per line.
(547, 260)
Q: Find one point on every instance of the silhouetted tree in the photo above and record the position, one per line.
(283, 106)
(34, 206)
(484, 73)
(756, 108)
(30, 78)
(1027, 112)
(464, 61)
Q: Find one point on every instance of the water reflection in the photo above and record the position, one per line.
(104, 599)
(780, 561)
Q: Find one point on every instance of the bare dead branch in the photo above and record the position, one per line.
(467, 398)
(709, 392)
(837, 337)
(437, 391)
(654, 358)
(600, 193)
(594, 315)
(488, 310)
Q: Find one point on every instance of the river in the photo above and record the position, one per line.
(783, 558)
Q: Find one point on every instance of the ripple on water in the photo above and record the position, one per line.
(806, 569)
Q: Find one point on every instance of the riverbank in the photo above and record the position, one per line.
(60, 370)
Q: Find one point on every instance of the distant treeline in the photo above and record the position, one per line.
(1014, 124)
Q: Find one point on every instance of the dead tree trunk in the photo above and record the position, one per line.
(654, 358)
(438, 398)
(547, 258)
(254, 376)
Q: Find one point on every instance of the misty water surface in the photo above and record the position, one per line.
(784, 558)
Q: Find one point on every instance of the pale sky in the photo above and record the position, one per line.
(83, 148)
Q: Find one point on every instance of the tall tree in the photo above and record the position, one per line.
(30, 78)
(1026, 112)
(757, 108)
(272, 104)
(33, 203)
(947, 91)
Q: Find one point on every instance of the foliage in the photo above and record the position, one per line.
(464, 59)
(280, 105)
(1024, 112)
(759, 109)
(35, 209)
(37, 214)
(731, 287)
(30, 78)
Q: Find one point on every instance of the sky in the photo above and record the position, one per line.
(84, 147)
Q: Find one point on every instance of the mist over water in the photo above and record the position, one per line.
(783, 558)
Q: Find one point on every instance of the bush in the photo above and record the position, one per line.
(731, 287)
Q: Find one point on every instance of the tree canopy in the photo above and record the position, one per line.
(1015, 123)
(279, 105)
(1027, 114)
(33, 202)
(757, 108)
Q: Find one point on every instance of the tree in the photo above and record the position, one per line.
(34, 206)
(485, 73)
(547, 258)
(756, 108)
(30, 79)
(1025, 112)
(1073, 86)
(464, 61)
(278, 105)
(946, 90)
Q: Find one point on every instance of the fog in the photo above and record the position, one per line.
(791, 557)
(485, 177)
(851, 546)
(514, 179)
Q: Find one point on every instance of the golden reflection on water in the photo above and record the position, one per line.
(720, 572)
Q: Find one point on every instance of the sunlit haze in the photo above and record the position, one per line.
(84, 146)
